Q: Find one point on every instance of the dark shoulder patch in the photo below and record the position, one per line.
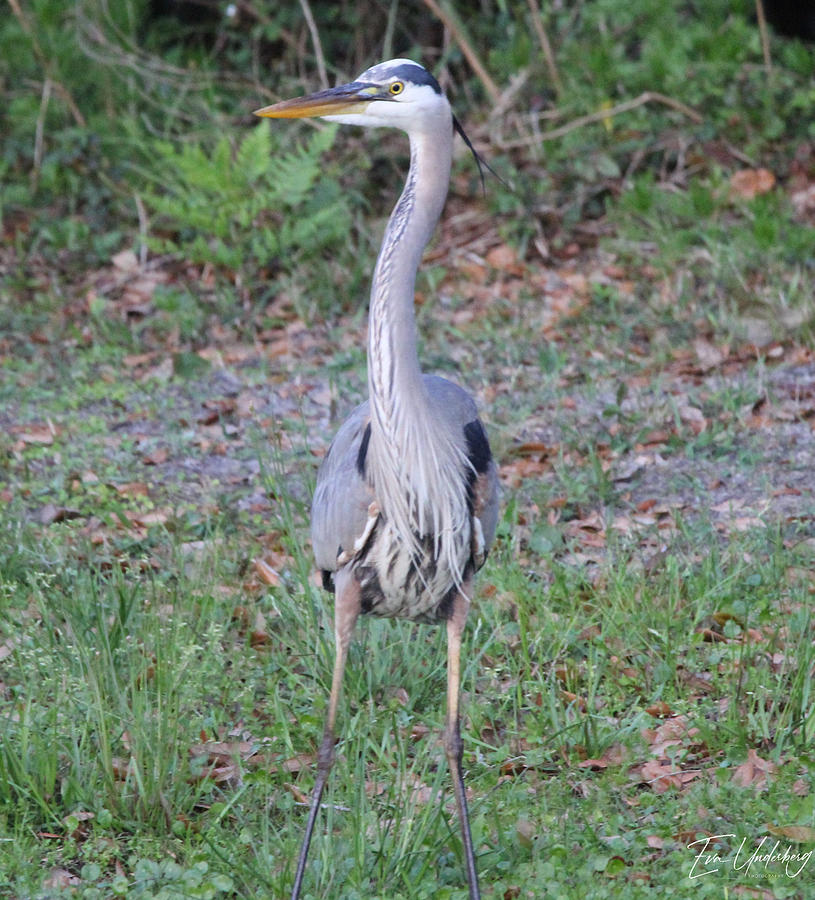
(416, 75)
(362, 453)
(478, 447)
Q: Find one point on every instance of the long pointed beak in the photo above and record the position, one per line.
(347, 98)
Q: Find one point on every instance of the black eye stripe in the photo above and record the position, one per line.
(415, 75)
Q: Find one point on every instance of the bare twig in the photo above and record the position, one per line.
(38, 133)
(549, 56)
(765, 36)
(143, 226)
(602, 114)
(450, 22)
(45, 64)
(507, 98)
(315, 39)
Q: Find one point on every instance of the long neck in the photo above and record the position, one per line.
(417, 468)
(394, 375)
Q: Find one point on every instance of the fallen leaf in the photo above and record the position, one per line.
(132, 489)
(526, 832)
(504, 257)
(223, 751)
(125, 261)
(41, 435)
(49, 514)
(266, 573)
(754, 771)
(800, 834)
(154, 517)
(297, 763)
(259, 636)
(613, 756)
(660, 776)
(60, 879)
(156, 457)
(692, 416)
(800, 787)
(709, 356)
(749, 183)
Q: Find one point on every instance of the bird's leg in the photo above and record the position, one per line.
(452, 735)
(346, 611)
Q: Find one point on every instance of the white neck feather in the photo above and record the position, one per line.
(417, 466)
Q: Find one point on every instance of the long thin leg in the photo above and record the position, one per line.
(452, 735)
(346, 611)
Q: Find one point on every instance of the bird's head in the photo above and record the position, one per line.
(399, 93)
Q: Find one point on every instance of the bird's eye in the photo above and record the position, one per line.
(396, 88)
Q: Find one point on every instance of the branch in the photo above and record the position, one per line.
(537, 24)
(601, 115)
(315, 39)
(46, 66)
(765, 37)
(449, 21)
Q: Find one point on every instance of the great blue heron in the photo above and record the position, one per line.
(406, 502)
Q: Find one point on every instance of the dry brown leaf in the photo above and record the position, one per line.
(534, 448)
(122, 768)
(660, 776)
(156, 457)
(266, 573)
(709, 356)
(693, 417)
(297, 763)
(800, 787)
(259, 636)
(132, 489)
(505, 258)
(743, 890)
(125, 261)
(49, 514)
(513, 473)
(749, 183)
(569, 698)
(799, 834)
(59, 879)
(754, 771)
(613, 756)
(223, 751)
(298, 795)
(803, 203)
(41, 435)
(154, 517)
(222, 773)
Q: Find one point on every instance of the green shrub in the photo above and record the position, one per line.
(247, 209)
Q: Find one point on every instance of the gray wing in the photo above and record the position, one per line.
(459, 411)
(339, 509)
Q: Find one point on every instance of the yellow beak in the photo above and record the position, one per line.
(347, 98)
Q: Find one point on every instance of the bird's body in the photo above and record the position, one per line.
(406, 501)
(402, 576)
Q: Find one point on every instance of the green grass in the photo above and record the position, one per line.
(113, 678)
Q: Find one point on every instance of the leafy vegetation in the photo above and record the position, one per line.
(180, 317)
